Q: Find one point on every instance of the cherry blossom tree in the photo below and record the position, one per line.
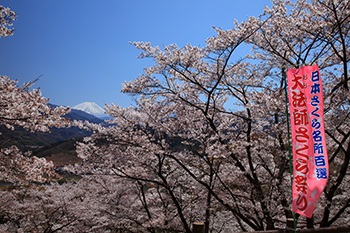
(28, 109)
(91, 204)
(39, 209)
(20, 106)
(222, 161)
(208, 132)
(317, 32)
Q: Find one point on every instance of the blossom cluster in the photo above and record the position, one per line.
(28, 109)
(7, 17)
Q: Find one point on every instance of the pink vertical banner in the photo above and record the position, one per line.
(310, 159)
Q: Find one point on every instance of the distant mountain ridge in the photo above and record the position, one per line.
(76, 114)
(58, 146)
(26, 140)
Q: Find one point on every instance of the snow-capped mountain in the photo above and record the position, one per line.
(91, 108)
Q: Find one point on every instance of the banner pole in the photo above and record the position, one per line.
(284, 77)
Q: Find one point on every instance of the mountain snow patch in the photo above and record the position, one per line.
(91, 108)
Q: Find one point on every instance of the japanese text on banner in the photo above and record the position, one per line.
(310, 159)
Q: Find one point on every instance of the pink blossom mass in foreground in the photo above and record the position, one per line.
(206, 139)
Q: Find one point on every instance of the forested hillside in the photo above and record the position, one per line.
(26, 140)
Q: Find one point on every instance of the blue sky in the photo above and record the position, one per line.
(81, 47)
